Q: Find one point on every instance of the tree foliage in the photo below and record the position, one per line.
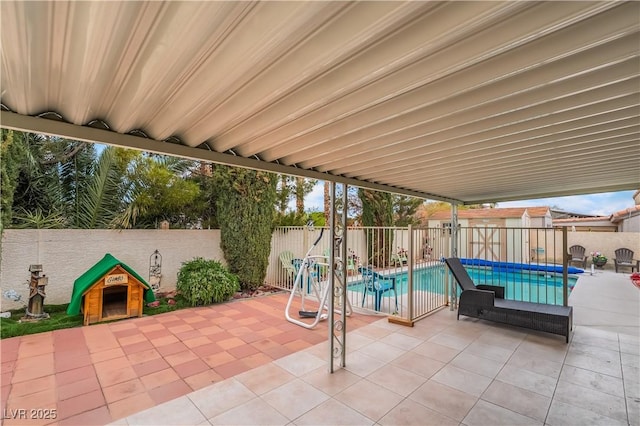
(405, 209)
(377, 210)
(50, 182)
(245, 206)
(159, 190)
(11, 154)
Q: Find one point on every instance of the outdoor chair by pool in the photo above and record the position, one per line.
(377, 284)
(286, 258)
(624, 259)
(578, 255)
(351, 266)
(488, 303)
(399, 258)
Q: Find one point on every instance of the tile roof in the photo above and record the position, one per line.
(507, 212)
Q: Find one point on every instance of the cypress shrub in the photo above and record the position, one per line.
(246, 210)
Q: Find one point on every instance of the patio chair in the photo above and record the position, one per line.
(313, 274)
(624, 259)
(399, 258)
(578, 255)
(351, 265)
(286, 258)
(487, 302)
(377, 284)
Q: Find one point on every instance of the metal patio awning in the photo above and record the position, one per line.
(460, 101)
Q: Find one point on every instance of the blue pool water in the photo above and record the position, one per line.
(529, 286)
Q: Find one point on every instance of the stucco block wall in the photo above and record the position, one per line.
(65, 254)
(606, 243)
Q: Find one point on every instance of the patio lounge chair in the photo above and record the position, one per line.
(377, 284)
(578, 255)
(624, 259)
(487, 302)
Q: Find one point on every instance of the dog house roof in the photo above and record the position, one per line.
(94, 274)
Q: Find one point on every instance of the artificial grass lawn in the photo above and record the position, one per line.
(58, 318)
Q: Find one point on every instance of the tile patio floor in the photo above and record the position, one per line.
(442, 371)
(97, 374)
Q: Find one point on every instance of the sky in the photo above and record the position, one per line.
(603, 204)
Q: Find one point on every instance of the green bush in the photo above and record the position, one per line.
(202, 281)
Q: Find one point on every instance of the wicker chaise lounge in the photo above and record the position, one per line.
(488, 303)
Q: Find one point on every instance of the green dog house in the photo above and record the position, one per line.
(108, 291)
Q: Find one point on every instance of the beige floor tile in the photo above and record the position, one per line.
(489, 351)
(321, 349)
(610, 367)
(220, 397)
(583, 334)
(603, 354)
(561, 414)
(410, 413)
(362, 364)
(421, 332)
(516, 399)
(525, 379)
(629, 345)
(265, 378)
(484, 413)
(631, 380)
(436, 351)
(608, 341)
(444, 399)
(591, 379)
(369, 399)
(373, 331)
(633, 411)
(630, 359)
(523, 359)
(477, 364)
(418, 364)
(544, 349)
(592, 400)
(385, 324)
(355, 341)
(255, 412)
(331, 413)
(300, 363)
(506, 338)
(331, 383)
(455, 341)
(382, 351)
(397, 379)
(402, 341)
(463, 380)
(294, 398)
(180, 411)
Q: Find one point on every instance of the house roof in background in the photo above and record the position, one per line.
(624, 214)
(581, 219)
(495, 213)
(466, 102)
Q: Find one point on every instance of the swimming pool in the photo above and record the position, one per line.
(529, 286)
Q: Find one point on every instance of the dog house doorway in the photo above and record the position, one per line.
(115, 301)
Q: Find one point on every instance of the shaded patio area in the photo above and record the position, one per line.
(167, 369)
